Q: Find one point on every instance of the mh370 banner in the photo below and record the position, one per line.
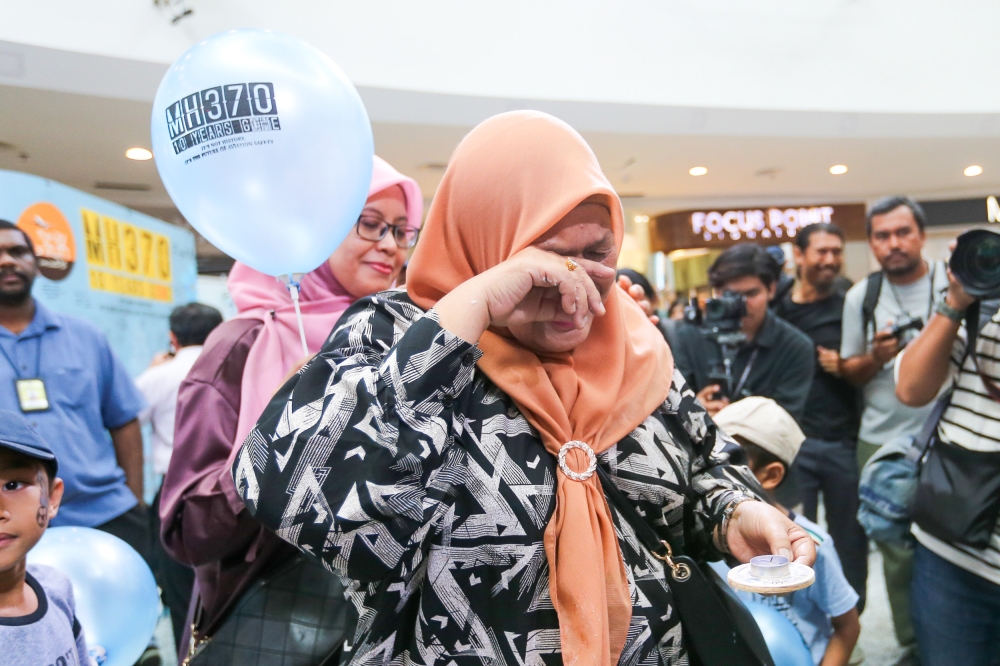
(119, 269)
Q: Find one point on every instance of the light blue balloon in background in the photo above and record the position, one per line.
(117, 602)
(783, 640)
(265, 147)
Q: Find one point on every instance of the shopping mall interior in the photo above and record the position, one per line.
(716, 122)
(830, 104)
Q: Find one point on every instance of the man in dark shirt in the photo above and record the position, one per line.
(827, 461)
(776, 361)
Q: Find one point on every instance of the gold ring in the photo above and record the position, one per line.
(571, 265)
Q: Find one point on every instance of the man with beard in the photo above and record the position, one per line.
(907, 287)
(61, 374)
(827, 461)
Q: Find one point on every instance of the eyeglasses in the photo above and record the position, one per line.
(374, 229)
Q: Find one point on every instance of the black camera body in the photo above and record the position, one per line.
(976, 263)
(721, 324)
(722, 378)
(723, 318)
(906, 323)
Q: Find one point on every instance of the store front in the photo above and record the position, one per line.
(687, 242)
(683, 244)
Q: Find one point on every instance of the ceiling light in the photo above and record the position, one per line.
(641, 219)
(698, 171)
(138, 154)
(838, 169)
(973, 170)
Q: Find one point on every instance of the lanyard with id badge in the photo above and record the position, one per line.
(31, 393)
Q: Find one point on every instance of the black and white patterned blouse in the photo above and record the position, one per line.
(403, 468)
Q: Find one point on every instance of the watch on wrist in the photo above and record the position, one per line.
(946, 310)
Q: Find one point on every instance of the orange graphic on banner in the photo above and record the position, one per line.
(52, 237)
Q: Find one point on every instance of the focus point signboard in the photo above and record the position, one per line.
(767, 225)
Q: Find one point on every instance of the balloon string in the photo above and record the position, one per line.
(293, 290)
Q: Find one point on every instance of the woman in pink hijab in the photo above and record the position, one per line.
(204, 522)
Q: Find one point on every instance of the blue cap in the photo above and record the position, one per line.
(17, 434)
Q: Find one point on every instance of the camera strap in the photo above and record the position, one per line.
(930, 297)
(874, 290)
(746, 373)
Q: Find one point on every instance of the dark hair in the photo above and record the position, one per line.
(759, 457)
(193, 322)
(888, 204)
(741, 260)
(25, 460)
(4, 224)
(638, 278)
(806, 232)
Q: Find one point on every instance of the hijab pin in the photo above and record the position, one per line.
(591, 459)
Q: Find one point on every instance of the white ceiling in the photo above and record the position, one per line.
(766, 96)
(886, 56)
(80, 140)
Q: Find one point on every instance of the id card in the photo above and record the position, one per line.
(31, 394)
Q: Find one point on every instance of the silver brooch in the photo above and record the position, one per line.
(592, 458)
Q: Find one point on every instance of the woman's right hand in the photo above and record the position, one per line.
(533, 285)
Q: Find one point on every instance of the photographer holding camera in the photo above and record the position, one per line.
(741, 348)
(881, 314)
(955, 593)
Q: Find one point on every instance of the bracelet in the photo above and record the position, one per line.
(946, 310)
(726, 517)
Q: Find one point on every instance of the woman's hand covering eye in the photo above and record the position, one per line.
(533, 285)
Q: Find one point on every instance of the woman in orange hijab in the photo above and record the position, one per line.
(441, 449)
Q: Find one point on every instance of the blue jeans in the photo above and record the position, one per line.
(956, 614)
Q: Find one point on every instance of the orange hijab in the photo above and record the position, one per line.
(510, 180)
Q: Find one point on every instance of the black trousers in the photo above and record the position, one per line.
(176, 580)
(831, 467)
(132, 527)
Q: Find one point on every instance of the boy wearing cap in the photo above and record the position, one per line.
(37, 614)
(826, 612)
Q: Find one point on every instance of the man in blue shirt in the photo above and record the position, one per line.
(61, 374)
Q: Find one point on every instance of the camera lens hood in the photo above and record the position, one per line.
(976, 263)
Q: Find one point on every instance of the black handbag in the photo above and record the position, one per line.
(293, 615)
(718, 628)
(958, 495)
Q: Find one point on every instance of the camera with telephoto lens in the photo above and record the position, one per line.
(723, 318)
(721, 324)
(976, 263)
(906, 323)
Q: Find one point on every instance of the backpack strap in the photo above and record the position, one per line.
(872, 291)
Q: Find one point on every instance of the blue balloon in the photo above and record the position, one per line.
(117, 602)
(265, 147)
(783, 639)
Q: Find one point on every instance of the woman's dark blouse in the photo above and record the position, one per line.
(405, 469)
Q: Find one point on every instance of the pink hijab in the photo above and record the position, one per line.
(322, 299)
